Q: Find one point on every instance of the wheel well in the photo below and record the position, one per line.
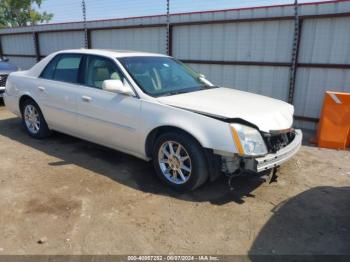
(214, 161)
(21, 101)
(152, 136)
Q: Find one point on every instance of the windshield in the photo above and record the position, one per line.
(159, 76)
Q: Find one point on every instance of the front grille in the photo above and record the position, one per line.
(3, 79)
(277, 140)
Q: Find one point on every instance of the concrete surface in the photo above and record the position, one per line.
(74, 197)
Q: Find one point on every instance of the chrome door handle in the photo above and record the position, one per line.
(86, 98)
(41, 88)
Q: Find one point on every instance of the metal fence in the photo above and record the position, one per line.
(289, 53)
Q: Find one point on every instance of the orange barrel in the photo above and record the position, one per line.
(334, 127)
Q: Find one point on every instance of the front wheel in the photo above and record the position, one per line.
(180, 161)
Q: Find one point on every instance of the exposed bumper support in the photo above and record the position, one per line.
(231, 164)
(272, 160)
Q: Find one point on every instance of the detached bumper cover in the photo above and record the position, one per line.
(272, 160)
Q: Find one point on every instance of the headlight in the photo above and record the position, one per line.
(248, 140)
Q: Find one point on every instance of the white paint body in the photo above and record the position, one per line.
(123, 122)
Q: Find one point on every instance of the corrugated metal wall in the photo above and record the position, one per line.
(323, 41)
(22, 62)
(264, 80)
(17, 44)
(142, 39)
(248, 49)
(51, 42)
(269, 41)
(311, 85)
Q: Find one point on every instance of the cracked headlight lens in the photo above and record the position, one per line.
(248, 140)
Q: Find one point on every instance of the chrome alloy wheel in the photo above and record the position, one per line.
(174, 162)
(32, 119)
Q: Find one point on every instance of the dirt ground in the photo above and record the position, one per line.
(80, 198)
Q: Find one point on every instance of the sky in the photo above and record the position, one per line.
(70, 10)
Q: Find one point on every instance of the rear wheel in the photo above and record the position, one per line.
(33, 120)
(180, 161)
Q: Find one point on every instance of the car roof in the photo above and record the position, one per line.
(110, 52)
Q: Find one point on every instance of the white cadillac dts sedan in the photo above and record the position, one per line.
(154, 107)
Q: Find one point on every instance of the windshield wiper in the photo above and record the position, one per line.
(177, 92)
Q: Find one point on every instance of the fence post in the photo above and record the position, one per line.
(170, 40)
(295, 52)
(1, 52)
(86, 32)
(88, 37)
(169, 30)
(36, 46)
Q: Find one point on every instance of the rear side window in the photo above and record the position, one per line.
(67, 68)
(50, 68)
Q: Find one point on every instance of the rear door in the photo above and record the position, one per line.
(58, 90)
(105, 117)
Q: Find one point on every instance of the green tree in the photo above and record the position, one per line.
(21, 13)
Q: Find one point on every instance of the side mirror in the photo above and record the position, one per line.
(117, 86)
(202, 78)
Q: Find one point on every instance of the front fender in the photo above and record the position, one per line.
(210, 133)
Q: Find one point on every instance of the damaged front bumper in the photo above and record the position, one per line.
(272, 160)
(259, 164)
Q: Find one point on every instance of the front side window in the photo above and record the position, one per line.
(98, 69)
(158, 76)
(67, 68)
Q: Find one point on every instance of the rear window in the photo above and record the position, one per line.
(50, 68)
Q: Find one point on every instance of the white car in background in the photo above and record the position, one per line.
(154, 107)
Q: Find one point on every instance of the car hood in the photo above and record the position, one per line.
(264, 112)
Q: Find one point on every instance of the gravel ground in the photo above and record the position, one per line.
(67, 196)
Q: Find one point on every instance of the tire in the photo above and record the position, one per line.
(34, 123)
(194, 168)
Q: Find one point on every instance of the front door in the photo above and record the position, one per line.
(105, 117)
